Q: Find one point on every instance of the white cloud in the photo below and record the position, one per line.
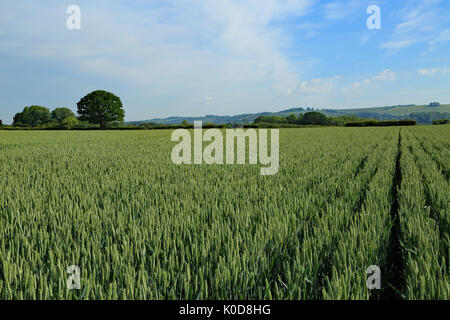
(364, 83)
(319, 86)
(399, 44)
(386, 75)
(433, 71)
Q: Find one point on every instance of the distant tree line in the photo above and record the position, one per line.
(319, 119)
(384, 123)
(441, 121)
(307, 119)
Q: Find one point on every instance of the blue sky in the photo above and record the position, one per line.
(196, 57)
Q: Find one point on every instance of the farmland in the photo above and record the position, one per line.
(140, 227)
(400, 110)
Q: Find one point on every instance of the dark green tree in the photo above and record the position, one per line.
(292, 119)
(270, 119)
(60, 114)
(313, 118)
(101, 107)
(32, 116)
(185, 123)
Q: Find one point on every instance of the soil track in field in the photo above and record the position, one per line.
(393, 281)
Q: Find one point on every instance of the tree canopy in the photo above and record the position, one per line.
(309, 118)
(314, 118)
(61, 114)
(32, 116)
(101, 107)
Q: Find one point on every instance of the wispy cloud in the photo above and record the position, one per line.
(433, 71)
(395, 45)
(421, 21)
(319, 86)
(440, 40)
(386, 75)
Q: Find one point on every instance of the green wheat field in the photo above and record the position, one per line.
(140, 227)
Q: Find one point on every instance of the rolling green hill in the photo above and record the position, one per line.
(402, 110)
(420, 113)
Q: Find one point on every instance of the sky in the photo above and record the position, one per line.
(224, 57)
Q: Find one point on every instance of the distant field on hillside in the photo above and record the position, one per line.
(401, 110)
